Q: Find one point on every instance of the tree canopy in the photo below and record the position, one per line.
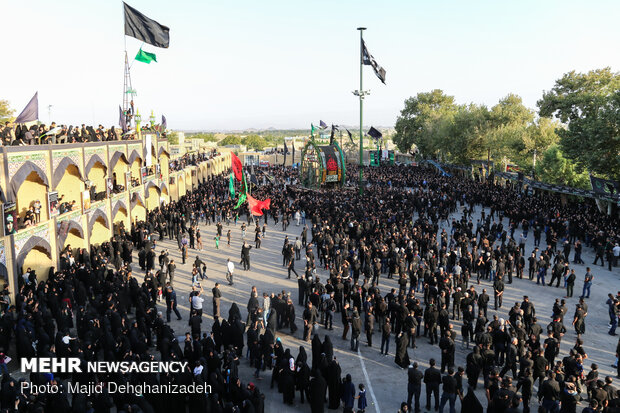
(173, 138)
(588, 104)
(254, 142)
(418, 120)
(230, 140)
(207, 137)
(556, 169)
(6, 113)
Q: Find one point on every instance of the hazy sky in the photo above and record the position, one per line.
(286, 63)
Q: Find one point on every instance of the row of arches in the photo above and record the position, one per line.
(37, 253)
(30, 183)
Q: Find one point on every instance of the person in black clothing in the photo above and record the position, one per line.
(356, 330)
(414, 386)
(431, 316)
(432, 379)
(526, 384)
(245, 256)
(570, 283)
(309, 317)
(511, 359)
(449, 391)
(447, 351)
(330, 308)
(346, 320)
(369, 325)
(291, 267)
(217, 295)
(498, 289)
(171, 303)
(200, 265)
(549, 393)
(483, 302)
(552, 348)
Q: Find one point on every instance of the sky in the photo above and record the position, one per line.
(288, 63)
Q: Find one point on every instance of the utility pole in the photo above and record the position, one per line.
(488, 163)
(361, 93)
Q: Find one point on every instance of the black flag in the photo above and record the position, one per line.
(604, 186)
(293, 145)
(367, 59)
(285, 152)
(375, 133)
(331, 138)
(142, 28)
(350, 136)
(30, 112)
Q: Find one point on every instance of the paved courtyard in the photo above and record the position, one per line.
(385, 382)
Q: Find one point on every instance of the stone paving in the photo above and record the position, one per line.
(385, 382)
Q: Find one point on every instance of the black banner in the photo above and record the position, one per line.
(605, 186)
(52, 203)
(9, 213)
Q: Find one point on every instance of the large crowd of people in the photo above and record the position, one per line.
(93, 306)
(191, 159)
(21, 135)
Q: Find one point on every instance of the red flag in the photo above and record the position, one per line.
(236, 167)
(257, 206)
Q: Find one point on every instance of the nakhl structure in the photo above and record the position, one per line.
(79, 194)
(322, 166)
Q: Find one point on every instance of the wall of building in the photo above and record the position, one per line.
(90, 226)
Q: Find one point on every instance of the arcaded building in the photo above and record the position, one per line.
(78, 194)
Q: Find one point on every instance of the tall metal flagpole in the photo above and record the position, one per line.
(361, 96)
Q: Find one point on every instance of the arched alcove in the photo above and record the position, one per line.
(70, 186)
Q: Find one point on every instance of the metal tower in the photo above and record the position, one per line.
(128, 94)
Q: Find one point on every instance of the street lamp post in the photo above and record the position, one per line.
(361, 93)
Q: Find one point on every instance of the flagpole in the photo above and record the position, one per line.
(134, 58)
(361, 96)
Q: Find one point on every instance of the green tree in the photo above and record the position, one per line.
(556, 169)
(537, 138)
(207, 137)
(589, 105)
(419, 119)
(230, 140)
(255, 142)
(6, 113)
(509, 111)
(465, 137)
(274, 140)
(507, 128)
(173, 138)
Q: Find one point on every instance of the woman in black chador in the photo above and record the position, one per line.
(402, 357)
(318, 387)
(333, 384)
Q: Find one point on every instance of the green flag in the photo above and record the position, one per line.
(146, 57)
(231, 186)
(242, 199)
(244, 190)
